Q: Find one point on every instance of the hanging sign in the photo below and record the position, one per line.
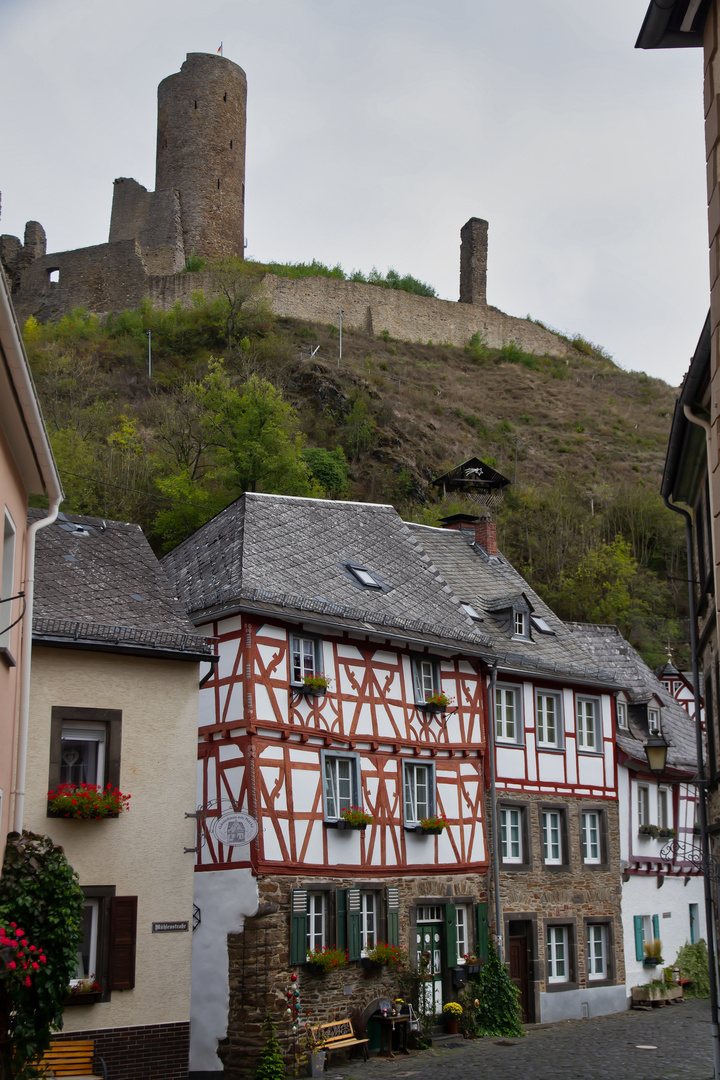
(235, 828)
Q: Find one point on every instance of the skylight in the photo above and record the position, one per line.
(364, 576)
(471, 611)
(539, 624)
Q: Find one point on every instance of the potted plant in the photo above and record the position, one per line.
(327, 958)
(384, 954)
(649, 830)
(653, 953)
(84, 992)
(432, 826)
(437, 702)
(671, 833)
(452, 1011)
(86, 802)
(355, 818)
(314, 685)
(472, 963)
(311, 1046)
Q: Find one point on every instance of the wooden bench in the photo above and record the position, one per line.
(70, 1059)
(338, 1035)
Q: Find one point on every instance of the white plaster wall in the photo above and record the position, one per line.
(671, 903)
(568, 1004)
(225, 898)
(141, 852)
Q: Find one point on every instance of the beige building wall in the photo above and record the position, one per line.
(13, 500)
(141, 852)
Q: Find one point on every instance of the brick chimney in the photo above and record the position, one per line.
(481, 528)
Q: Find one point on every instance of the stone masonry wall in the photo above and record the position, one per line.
(575, 892)
(259, 966)
(373, 310)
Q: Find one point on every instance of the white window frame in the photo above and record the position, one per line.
(589, 736)
(512, 841)
(654, 720)
(91, 732)
(7, 583)
(643, 804)
(462, 928)
(552, 837)
(368, 922)
(588, 842)
(521, 621)
(544, 738)
(426, 677)
(93, 905)
(596, 945)
(412, 807)
(299, 643)
(558, 954)
(334, 787)
(316, 920)
(622, 715)
(508, 713)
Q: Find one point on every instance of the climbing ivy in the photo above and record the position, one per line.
(39, 894)
(498, 1007)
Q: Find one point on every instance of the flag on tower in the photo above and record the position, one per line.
(220, 49)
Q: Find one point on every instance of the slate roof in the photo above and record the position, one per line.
(490, 584)
(287, 555)
(607, 644)
(98, 582)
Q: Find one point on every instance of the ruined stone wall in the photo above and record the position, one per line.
(260, 971)
(108, 277)
(153, 219)
(374, 310)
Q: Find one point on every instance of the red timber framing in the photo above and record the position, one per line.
(262, 741)
(560, 766)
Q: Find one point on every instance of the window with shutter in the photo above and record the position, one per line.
(638, 927)
(393, 915)
(353, 923)
(123, 937)
(451, 952)
(298, 926)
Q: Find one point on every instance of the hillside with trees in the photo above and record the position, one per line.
(239, 400)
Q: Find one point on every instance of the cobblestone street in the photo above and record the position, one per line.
(672, 1043)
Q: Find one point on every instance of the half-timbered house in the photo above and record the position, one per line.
(659, 842)
(337, 625)
(552, 747)
(334, 628)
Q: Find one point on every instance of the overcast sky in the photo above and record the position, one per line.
(377, 128)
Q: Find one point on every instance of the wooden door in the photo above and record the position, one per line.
(519, 972)
(429, 941)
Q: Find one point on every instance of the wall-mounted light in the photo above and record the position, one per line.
(656, 752)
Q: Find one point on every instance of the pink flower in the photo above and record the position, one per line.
(11, 966)
(28, 981)
(36, 967)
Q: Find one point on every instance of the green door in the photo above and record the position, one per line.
(429, 941)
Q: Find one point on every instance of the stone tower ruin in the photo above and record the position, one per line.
(201, 152)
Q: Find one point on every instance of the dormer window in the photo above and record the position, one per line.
(654, 721)
(622, 715)
(520, 624)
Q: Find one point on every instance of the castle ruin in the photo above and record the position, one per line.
(198, 209)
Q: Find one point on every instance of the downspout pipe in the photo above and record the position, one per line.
(26, 654)
(702, 784)
(493, 811)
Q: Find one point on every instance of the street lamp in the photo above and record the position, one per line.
(656, 752)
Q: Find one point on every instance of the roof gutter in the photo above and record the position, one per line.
(673, 24)
(689, 393)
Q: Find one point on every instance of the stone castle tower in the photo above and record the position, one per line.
(201, 151)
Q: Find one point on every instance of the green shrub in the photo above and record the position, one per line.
(39, 892)
(693, 962)
(271, 1065)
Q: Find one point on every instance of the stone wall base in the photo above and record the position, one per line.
(150, 1052)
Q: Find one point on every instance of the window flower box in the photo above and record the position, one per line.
(88, 998)
(327, 958)
(649, 830)
(667, 833)
(313, 686)
(354, 818)
(435, 703)
(86, 802)
(431, 826)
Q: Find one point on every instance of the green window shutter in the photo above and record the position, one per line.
(656, 926)
(451, 935)
(638, 924)
(353, 924)
(298, 927)
(393, 915)
(341, 918)
(482, 931)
